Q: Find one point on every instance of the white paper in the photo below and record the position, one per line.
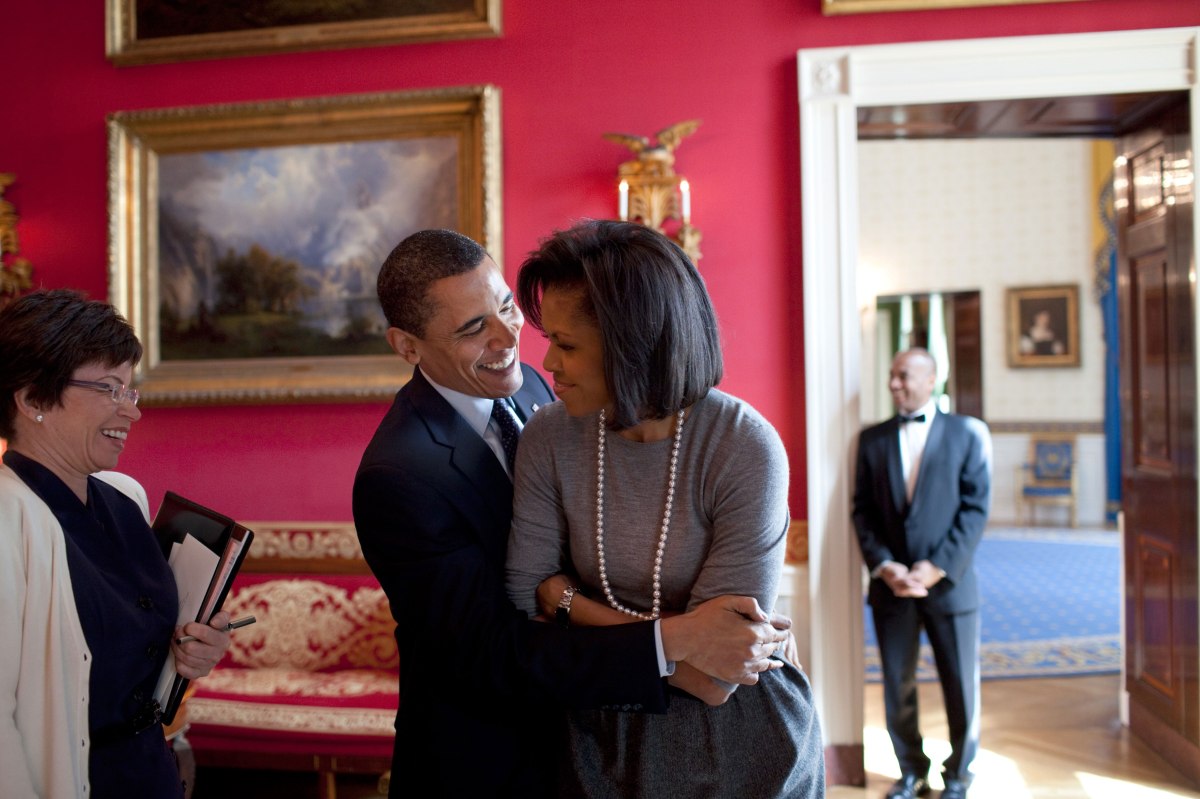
(193, 565)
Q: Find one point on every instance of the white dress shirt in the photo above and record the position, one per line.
(477, 411)
(913, 436)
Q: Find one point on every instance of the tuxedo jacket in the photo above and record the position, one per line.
(432, 507)
(949, 508)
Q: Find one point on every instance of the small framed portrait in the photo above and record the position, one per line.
(1043, 326)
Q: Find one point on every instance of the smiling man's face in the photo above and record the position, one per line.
(912, 380)
(471, 342)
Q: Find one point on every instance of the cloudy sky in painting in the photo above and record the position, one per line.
(322, 205)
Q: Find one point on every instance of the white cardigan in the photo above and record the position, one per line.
(44, 659)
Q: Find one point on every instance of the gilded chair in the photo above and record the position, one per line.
(1048, 477)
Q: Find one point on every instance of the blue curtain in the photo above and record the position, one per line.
(1106, 289)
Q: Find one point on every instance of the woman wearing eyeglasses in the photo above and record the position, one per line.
(87, 603)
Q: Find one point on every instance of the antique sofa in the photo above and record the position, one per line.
(314, 684)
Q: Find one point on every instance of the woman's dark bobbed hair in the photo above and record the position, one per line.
(45, 336)
(662, 348)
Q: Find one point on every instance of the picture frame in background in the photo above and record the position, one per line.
(831, 7)
(245, 239)
(1043, 326)
(154, 31)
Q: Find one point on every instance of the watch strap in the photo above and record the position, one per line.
(562, 613)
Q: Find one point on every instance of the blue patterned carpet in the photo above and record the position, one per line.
(1050, 605)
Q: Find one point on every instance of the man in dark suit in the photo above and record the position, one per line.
(433, 505)
(921, 495)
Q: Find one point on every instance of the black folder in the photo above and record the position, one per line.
(179, 517)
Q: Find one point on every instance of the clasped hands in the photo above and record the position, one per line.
(729, 637)
(197, 658)
(911, 583)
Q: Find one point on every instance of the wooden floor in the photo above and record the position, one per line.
(1041, 739)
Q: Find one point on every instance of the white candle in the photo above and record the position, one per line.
(623, 200)
(685, 191)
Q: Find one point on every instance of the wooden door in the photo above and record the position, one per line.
(1154, 203)
(967, 354)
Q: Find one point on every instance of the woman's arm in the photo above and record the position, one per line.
(749, 510)
(14, 761)
(747, 502)
(537, 542)
(587, 612)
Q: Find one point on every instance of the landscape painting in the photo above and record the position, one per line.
(246, 239)
(274, 252)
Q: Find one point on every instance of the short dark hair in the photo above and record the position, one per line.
(662, 349)
(413, 266)
(45, 336)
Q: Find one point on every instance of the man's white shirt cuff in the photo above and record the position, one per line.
(665, 668)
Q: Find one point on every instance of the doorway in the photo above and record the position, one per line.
(948, 325)
(833, 84)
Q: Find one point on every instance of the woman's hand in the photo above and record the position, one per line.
(549, 592)
(791, 650)
(700, 685)
(197, 658)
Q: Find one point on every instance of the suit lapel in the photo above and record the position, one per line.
(466, 452)
(531, 396)
(895, 466)
(525, 406)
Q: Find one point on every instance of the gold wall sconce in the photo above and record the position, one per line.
(15, 273)
(649, 191)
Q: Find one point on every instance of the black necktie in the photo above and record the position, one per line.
(510, 433)
(916, 417)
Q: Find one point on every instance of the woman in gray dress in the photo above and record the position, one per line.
(644, 492)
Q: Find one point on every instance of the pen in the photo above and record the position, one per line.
(233, 625)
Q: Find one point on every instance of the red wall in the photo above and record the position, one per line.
(568, 71)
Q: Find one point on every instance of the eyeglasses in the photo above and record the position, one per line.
(118, 393)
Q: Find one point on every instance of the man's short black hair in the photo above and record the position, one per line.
(413, 266)
(662, 348)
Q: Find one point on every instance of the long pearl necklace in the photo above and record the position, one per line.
(601, 433)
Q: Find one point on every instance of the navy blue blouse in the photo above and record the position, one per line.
(128, 604)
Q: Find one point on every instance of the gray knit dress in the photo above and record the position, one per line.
(727, 536)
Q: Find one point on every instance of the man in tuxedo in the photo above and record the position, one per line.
(433, 505)
(921, 495)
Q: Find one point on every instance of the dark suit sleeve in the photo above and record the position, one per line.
(953, 554)
(870, 477)
(530, 372)
(449, 603)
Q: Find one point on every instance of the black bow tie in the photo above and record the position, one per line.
(916, 417)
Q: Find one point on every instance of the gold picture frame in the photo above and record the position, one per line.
(831, 7)
(233, 30)
(244, 239)
(1043, 326)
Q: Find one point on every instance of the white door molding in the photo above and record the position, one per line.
(833, 83)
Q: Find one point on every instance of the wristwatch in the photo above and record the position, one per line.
(562, 613)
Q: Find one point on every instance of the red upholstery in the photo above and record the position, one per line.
(316, 676)
(318, 671)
